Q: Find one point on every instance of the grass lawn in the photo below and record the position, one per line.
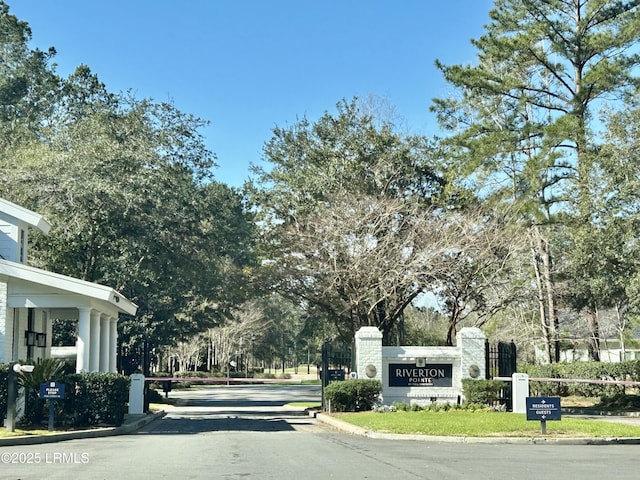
(305, 404)
(22, 432)
(482, 424)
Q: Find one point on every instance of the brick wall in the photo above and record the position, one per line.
(466, 357)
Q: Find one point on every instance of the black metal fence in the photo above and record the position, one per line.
(337, 362)
(501, 360)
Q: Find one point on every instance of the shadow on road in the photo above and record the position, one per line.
(230, 403)
(217, 423)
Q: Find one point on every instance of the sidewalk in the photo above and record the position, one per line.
(131, 424)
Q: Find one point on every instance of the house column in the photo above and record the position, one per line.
(94, 349)
(83, 342)
(105, 332)
(113, 345)
(6, 330)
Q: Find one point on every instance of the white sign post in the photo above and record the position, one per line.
(519, 392)
(136, 394)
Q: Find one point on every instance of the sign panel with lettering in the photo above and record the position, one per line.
(335, 375)
(52, 390)
(430, 375)
(543, 408)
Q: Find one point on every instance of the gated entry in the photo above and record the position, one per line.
(501, 362)
(337, 361)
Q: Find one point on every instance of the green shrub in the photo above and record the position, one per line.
(620, 401)
(401, 406)
(437, 407)
(46, 369)
(96, 398)
(485, 392)
(352, 395)
(629, 371)
(4, 369)
(90, 398)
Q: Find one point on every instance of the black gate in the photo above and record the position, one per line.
(500, 361)
(337, 363)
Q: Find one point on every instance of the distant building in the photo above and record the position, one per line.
(31, 298)
(610, 351)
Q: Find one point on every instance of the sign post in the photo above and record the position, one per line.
(543, 409)
(51, 390)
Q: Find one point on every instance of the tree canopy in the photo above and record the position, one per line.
(521, 217)
(128, 186)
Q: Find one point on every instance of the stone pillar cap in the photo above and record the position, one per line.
(368, 332)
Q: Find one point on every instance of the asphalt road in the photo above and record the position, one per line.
(246, 432)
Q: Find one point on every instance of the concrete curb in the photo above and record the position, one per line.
(354, 430)
(131, 425)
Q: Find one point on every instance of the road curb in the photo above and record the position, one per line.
(131, 425)
(355, 430)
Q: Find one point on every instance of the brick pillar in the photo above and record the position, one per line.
(369, 353)
(470, 341)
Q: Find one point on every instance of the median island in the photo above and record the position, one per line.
(482, 423)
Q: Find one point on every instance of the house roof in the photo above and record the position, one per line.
(44, 284)
(33, 219)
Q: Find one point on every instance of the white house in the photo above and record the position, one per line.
(30, 298)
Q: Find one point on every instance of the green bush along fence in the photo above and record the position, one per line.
(624, 371)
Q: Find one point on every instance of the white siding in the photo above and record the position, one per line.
(8, 240)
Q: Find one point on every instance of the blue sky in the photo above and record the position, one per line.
(248, 65)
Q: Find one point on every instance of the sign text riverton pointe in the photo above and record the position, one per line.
(410, 375)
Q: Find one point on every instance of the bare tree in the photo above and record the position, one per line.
(360, 259)
(483, 270)
(247, 325)
(187, 353)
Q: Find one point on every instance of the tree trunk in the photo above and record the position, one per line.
(593, 325)
(621, 326)
(452, 329)
(544, 325)
(546, 294)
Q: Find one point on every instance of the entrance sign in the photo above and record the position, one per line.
(429, 375)
(543, 408)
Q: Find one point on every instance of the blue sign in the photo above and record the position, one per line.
(543, 408)
(52, 390)
(430, 375)
(335, 375)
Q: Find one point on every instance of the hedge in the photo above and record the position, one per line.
(4, 369)
(485, 392)
(352, 395)
(98, 399)
(90, 399)
(623, 371)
